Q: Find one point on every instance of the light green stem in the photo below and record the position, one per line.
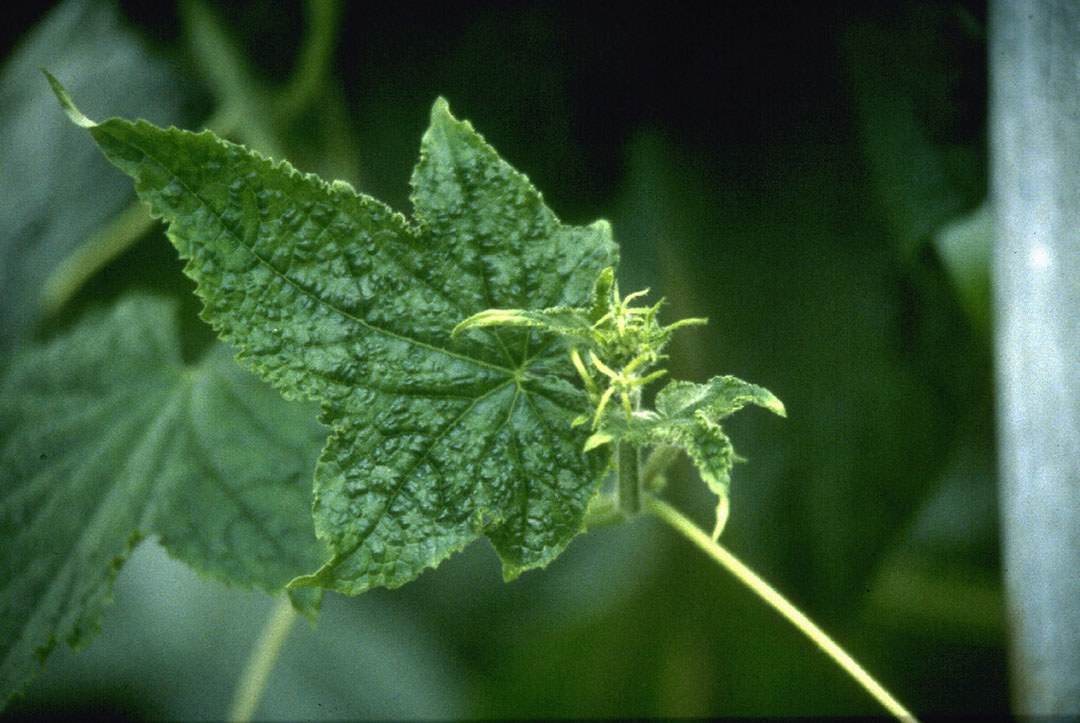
(690, 531)
(112, 239)
(263, 656)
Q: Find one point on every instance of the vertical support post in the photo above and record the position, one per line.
(1035, 184)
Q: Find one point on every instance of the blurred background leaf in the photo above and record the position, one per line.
(799, 173)
(107, 437)
(53, 191)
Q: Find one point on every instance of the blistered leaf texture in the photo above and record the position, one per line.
(334, 297)
(106, 436)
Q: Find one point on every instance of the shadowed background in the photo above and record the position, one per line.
(808, 176)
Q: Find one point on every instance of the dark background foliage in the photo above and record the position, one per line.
(785, 169)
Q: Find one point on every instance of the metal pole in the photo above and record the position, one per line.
(1035, 185)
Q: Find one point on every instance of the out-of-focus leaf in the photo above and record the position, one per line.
(54, 194)
(964, 246)
(106, 436)
(917, 130)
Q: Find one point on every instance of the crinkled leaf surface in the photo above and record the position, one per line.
(332, 296)
(106, 436)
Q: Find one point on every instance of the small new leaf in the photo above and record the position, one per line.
(623, 343)
(560, 320)
(687, 417)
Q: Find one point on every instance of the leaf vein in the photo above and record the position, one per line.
(237, 239)
(341, 555)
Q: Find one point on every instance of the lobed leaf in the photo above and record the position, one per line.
(332, 296)
(106, 437)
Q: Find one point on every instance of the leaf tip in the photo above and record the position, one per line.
(597, 440)
(723, 508)
(441, 109)
(67, 103)
(510, 571)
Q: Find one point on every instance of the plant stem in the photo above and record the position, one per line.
(263, 656)
(655, 465)
(629, 481)
(690, 531)
(113, 238)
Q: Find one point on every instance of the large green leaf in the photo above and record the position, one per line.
(332, 296)
(107, 436)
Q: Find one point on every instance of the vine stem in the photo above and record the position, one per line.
(629, 480)
(769, 594)
(261, 661)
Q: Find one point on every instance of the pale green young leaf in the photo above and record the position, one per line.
(600, 300)
(717, 398)
(562, 321)
(332, 296)
(106, 437)
(687, 416)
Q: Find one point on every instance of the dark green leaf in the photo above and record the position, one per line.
(334, 297)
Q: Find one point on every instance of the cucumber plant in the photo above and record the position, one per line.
(476, 366)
